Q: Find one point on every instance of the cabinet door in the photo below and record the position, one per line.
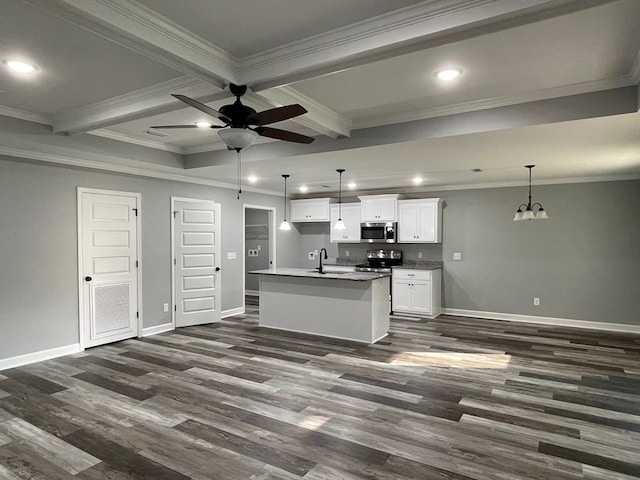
(387, 210)
(401, 295)
(351, 219)
(370, 211)
(407, 223)
(309, 211)
(421, 297)
(426, 222)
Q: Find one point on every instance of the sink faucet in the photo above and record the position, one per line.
(320, 257)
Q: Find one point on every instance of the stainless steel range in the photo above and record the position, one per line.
(380, 261)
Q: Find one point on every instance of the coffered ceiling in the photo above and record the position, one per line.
(549, 82)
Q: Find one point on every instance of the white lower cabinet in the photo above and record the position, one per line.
(416, 292)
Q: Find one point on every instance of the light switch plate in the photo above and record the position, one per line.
(231, 255)
(457, 256)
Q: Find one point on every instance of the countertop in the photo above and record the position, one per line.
(303, 272)
(411, 265)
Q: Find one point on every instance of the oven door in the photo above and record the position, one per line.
(378, 232)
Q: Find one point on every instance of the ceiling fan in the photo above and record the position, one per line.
(238, 116)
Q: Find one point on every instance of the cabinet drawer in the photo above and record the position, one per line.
(409, 274)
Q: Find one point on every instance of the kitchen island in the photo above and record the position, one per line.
(346, 305)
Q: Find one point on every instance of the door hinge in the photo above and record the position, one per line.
(175, 308)
(174, 262)
(137, 264)
(136, 211)
(137, 314)
(175, 212)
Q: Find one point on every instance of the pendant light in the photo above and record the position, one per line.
(285, 225)
(528, 213)
(340, 224)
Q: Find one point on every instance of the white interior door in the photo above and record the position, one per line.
(196, 241)
(108, 236)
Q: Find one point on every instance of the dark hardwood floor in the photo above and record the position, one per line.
(452, 398)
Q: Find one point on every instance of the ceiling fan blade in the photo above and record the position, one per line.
(277, 114)
(202, 107)
(283, 135)
(186, 126)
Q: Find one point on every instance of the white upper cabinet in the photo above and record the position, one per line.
(379, 208)
(310, 210)
(420, 221)
(351, 219)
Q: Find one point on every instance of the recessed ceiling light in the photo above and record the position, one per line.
(203, 124)
(448, 73)
(252, 178)
(20, 66)
(417, 180)
(352, 185)
(303, 188)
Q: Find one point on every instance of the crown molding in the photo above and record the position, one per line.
(142, 30)
(25, 115)
(319, 118)
(63, 159)
(121, 137)
(140, 103)
(495, 102)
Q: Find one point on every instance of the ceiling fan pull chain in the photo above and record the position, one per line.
(239, 160)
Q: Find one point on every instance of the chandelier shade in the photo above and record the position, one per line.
(529, 211)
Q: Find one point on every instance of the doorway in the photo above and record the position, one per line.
(109, 276)
(196, 252)
(259, 245)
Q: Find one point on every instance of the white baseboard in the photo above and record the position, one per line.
(232, 311)
(165, 327)
(254, 293)
(40, 356)
(559, 322)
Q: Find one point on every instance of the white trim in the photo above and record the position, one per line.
(560, 322)
(272, 241)
(121, 137)
(138, 197)
(232, 311)
(165, 327)
(40, 356)
(24, 115)
(253, 293)
(496, 102)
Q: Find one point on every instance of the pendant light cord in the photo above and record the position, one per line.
(239, 161)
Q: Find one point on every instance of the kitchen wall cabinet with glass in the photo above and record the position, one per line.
(420, 221)
(351, 219)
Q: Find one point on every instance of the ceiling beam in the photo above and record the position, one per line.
(616, 101)
(145, 102)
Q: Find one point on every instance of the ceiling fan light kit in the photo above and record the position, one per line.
(528, 213)
(237, 138)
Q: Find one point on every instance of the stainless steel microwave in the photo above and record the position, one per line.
(378, 232)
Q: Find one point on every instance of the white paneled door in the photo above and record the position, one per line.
(108, 256)
(196, 245)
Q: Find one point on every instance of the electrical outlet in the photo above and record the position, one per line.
(166, 307)
(312, 256)
(419, 254)
(346, 254)
(536, 301)
(457, 256)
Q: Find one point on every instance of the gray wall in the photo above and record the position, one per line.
(38, 249)
(583, 263)
(256, 238)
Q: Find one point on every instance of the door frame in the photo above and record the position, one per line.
(138, 197)
(173, 250)
(272, 241)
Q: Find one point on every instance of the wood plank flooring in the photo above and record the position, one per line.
(445, 399)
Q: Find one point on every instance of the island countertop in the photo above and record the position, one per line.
(303, 272)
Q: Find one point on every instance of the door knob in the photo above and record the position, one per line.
(217, 269)
(88, 279)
